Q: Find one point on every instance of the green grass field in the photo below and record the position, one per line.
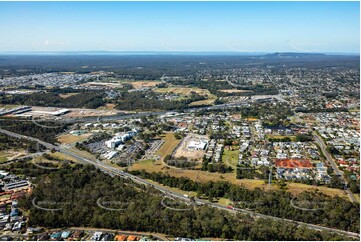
(230, 157)
(3, 159)
(169, 145)
(292, 137)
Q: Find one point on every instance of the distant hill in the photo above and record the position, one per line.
(293, 55)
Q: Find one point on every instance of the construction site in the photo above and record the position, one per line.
(192, 147)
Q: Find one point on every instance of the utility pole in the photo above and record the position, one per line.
(270, 176)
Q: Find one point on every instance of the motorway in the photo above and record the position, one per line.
(111, 170)
(332, 162)
(145, 114)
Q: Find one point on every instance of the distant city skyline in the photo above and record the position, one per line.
(326, 27)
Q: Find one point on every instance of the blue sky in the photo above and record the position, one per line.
(180, 26)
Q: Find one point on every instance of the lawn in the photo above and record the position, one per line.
(224, 201)
(292, 137)
(63, 156)
(169, 145)
(84, 153)
(230, 157)
(3, 159)
(148, 165)
(69, 138)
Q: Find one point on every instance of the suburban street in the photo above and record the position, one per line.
(332, 162)
(111, 170)
(156, 235)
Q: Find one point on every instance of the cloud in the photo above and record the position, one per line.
(52, 43)
(296, 46)
(48, 44)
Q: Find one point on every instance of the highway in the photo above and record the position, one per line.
(332, 162)
(145, 114)
(111, 170)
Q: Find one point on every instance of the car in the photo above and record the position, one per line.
(17, 226)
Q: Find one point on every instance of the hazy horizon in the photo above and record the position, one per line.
(246, 27)
(165, 52)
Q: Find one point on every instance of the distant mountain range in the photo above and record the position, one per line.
(293, 55)
(196, 53)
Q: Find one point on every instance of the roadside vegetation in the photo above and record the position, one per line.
(77, 190)
(275, 203)
(39, 130)
(54, 99)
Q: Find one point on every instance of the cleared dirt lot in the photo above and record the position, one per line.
(107, 106)
(81, 112)
(103, 84)
(141, 84)
(202, 102)
(73, 112)
(185, 91)
(191, 154)
(66, 95)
